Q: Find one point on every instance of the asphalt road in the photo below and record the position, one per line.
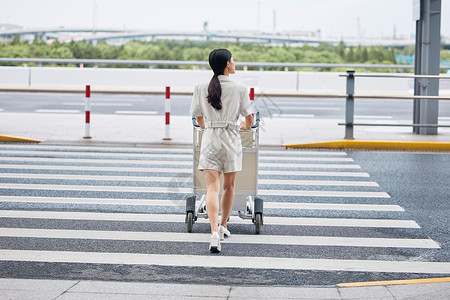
(375, 110)
(118, 214)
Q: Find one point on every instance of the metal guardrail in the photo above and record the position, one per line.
(350, 100)
(204, 64)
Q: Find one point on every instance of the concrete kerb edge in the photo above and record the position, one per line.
(395, 282)
(16, 139)
(375, 145)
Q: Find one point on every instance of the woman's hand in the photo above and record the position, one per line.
(201, 121)
(247, 124)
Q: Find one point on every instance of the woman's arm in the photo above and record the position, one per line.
(201, 121)
(247, 124)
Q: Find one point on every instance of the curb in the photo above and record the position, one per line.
(374, 145)
(395, 282)
(15, 139)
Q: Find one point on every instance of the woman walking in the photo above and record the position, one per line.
(217, 105)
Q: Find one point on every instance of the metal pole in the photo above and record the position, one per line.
(430, 44)
(349, 105)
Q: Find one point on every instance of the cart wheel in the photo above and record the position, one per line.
(189, 220)
(258, 223)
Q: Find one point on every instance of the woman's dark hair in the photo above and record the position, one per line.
(218, 59)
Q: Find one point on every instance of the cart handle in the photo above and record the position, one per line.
(194, 121)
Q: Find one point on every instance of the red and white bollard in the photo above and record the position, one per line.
(252, 98)
(167, 106)
(87, 109)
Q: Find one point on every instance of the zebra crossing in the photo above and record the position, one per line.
(125, 206)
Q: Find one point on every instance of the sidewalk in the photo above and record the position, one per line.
(147, 130)
(73, 289)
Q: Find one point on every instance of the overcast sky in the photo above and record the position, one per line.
(335, 18)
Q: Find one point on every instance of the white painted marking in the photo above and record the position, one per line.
(129, 150)
(444, 118)
(297, 152)
(317, 166)
(315, 182)
(1, 109)
(313, 173)
(180, 179)
(290, 159)
(344, 194)
(185, 163)
(175, 170)
(94, 168)
(174, 179)
(135, 112)
(292, 115)
(182, 203)
(372, 117)
(99, 160)
(94, 155)
(97, 188)
(311, 108)
(57, 111)
(204, 237)
(333, 206)
(97, 104)
(139, 156)
(240, 262)
(178, 190)
(282, 221)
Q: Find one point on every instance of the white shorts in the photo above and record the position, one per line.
(221, 150)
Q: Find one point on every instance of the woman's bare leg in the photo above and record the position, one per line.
(212, 198)
(227, 196)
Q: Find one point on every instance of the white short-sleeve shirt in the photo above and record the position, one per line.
(221, 148)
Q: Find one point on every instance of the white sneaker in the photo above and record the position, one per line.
(223, 232)
(214, 245)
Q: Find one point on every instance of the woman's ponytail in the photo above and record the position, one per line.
(218, 59)
(215, 92)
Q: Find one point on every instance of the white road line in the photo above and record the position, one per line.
(313, 173)
(97, 177)
(175, 170)
(282, 221)
(135, 112)
(333, 206)
(182, 203)
(180, 179)
(293, 115)
(92, 149)
(204, 237)
(239, 262)
(185, 163)
(317, 166)
(296, 152)
(57, 111)
(133, 157)
(311, 108)
(188, 150)
(345, 194)
(444, 118)
(1, 109)
(179, 190)
(95, 168)
(314, 182)
(97, 104)
(372, 117)
(94, 155)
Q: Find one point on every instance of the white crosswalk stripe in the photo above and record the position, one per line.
(98, 185)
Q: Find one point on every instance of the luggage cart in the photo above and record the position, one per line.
(246, 202)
